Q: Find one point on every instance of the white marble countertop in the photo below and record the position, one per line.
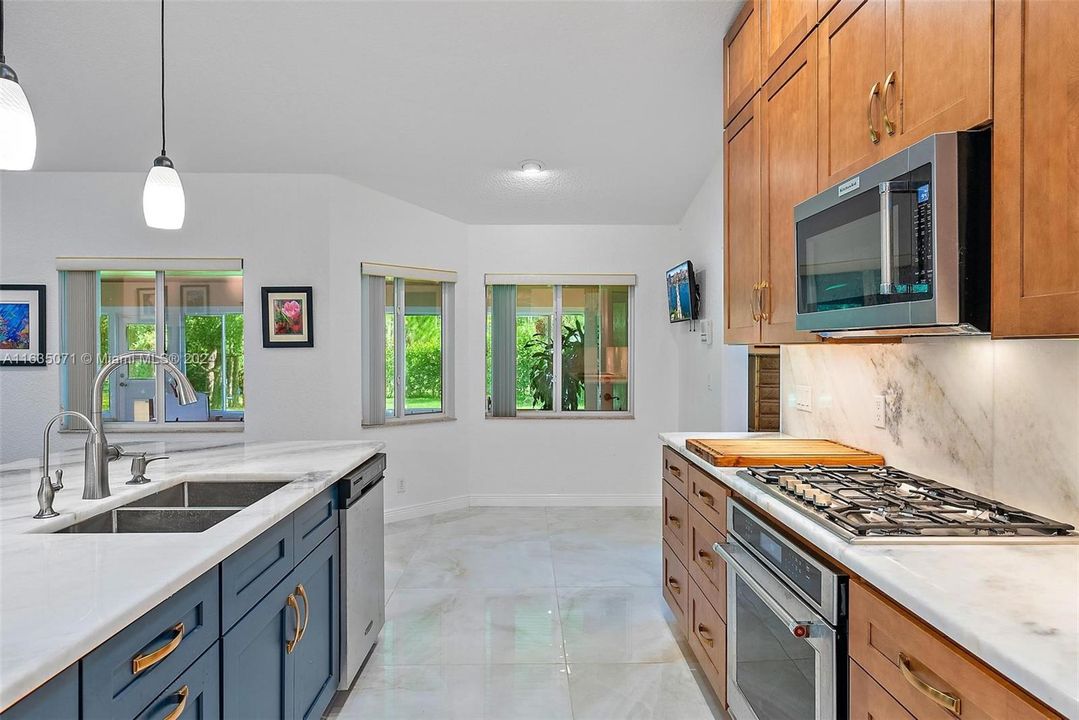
(1014, 606)
(63, 595)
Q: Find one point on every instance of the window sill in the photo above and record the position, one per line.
(546, 415)
(417, 420)
(172, 427)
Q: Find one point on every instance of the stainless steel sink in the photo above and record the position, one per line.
(206, 494)
(152, 520)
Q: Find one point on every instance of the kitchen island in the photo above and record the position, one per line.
(63, 595)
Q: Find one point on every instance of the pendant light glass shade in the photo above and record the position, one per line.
(163, 203)
(18, 134)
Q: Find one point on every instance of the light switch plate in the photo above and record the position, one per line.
(803, 397)
(878, 411)
(706, 332)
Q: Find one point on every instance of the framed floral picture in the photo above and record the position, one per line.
(22, 324)
(286, 317)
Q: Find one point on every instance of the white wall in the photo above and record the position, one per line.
(714, 378)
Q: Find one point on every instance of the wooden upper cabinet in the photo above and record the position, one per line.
(788, 176)
(742, 226)
(1036, 170)
(784, 25)
(939, 74)
(741, 60)
(850, 73)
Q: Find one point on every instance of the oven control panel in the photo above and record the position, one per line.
(781, 557)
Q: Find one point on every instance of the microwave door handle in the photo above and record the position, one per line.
(798, 628)
(887, 286)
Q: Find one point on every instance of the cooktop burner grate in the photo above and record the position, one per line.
(884, 501)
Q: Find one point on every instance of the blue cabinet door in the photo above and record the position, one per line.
(317, 655)
(58, 699)
(256, 670)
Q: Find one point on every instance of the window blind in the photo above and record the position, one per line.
(373, 348)
(560, 279)
(407, 271)
(78, 342)
(143, 263)
(504, 351)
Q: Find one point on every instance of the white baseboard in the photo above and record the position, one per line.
(564, 500)
(428, 508)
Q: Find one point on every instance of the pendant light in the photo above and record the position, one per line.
(163, 203)
(18, 135)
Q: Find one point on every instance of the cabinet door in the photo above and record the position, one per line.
(317, 654)
(58, 699)
(741, 60)
(869, 701)
(788, 176)
(1036, 170)
(784, 24)
(256, 670)
(851, 76)
(939, 74)
(742, 213)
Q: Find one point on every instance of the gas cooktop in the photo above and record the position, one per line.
(883, 504)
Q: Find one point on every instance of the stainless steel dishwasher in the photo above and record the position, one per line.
(363, 582)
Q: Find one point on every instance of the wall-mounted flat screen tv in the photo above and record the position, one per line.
(682, 295)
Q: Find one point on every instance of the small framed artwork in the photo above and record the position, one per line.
(286, 317)
(22, 325)
(195, 298)
(147, 299)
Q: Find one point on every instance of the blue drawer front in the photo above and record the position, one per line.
(58, 699)
(253, 570)
(198, 689)
(111, 688)
(315, 521)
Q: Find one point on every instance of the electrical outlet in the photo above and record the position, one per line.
(400, 486)
(878, 411)
(803, 397)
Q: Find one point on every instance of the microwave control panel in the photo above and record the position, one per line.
(922, 271)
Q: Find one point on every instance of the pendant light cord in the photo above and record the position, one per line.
(162, 76)
(2, 32)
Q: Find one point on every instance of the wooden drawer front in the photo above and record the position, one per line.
(315, 521)
(675, 520)
(58, 698)
(882, 639)
(705, 566)
(198, 690)
(110, 686)
(675, 469)
(675, 584)
(869, 701)
(707, 636)
(709, 498)
(253, 570)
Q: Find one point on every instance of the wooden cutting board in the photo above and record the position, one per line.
(780, 451)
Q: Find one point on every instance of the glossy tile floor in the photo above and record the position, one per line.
(528, 613)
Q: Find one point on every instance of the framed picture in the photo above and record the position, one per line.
(195, 298)
(286, 317)
(147, 299)
(22, 325)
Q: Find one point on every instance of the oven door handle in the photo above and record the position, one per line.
(798, 628)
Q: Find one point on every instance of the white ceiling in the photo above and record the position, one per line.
(432, 102)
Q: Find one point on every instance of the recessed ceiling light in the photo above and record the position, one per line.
(532, 167)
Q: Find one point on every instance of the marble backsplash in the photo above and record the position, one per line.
(995, 417)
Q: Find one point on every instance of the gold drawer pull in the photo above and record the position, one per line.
(290, 645)
(181, 706)
(706, 636)
(951, 703)
(707, 498)
(674, 586)
(675, 471)
(142, 662)
(706, 558)
(674, 522)
(889, 126)
(302, 592)
(874, 92)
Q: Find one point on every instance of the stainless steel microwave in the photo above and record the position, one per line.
(901, 248)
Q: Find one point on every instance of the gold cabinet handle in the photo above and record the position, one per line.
(290, 645)
(142, 662)
(674, 522)
(760, 292)
(675, 471)
(182, 694)
(707, 498)
(706, 636)
(756, 304)
(874, 92)
(706, 558)
(674, 586)
(302, 592)
(949, 702)
(889, 82)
